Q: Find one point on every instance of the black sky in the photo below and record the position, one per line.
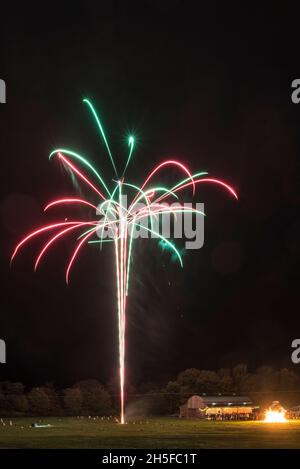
(210, 86)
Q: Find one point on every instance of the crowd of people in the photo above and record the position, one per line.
(233, 416)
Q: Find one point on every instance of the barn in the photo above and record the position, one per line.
(217, 407)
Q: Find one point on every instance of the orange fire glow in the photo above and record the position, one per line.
(275, 416)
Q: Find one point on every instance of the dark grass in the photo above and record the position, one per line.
(70, 432)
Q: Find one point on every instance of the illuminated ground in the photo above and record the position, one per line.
(152, 433)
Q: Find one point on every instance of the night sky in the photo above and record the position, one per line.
(209, 86)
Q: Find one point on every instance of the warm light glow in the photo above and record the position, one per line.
(275, 416)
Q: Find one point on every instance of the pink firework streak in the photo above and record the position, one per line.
(109, 203)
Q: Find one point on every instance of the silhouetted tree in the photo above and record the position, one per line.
(73, 400)
(12, 396)
(207, 381)
(239, 374)
(173, 396)
(189, 378)
(54, 402)
(39, 401)
(95, 398)
(288, 380)
(20, 403)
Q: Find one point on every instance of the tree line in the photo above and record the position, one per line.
(90, 397)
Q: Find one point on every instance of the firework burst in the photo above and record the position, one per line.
(116, 219)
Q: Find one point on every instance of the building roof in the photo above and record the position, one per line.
(195, 402)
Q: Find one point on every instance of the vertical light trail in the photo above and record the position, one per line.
(121, 254)
(124, 254)
(128, 262)
(121, 373)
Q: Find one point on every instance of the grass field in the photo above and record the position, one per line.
(153, 433)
